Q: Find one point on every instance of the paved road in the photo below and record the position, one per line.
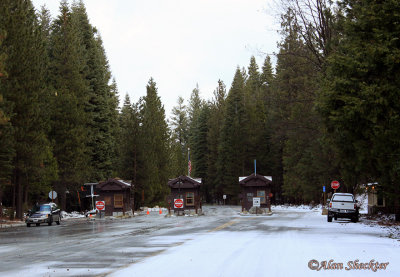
(82, 247)
(221, 239)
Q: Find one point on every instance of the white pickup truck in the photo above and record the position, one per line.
(343, 205)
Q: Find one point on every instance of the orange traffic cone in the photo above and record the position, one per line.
(148, 212)
(160, 212)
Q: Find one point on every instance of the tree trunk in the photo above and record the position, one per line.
(1, 202)
(19, 194)
(63, 196)
(13, 200)
(397, 203)
(61, 188)
(26, 194)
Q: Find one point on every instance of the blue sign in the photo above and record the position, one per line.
(323, 188)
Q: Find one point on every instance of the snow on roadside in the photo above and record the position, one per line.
(362, 202)
(66, 215)
(289, 240)
(303, 208)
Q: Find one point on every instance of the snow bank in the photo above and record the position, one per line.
(66, 215)
(281, 245)
(301, 208)
(362, 202)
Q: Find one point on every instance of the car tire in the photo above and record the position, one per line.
(354, 219)
(37, 224)
(28, 225)
(335, 218)
(329, 219)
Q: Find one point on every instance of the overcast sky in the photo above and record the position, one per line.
(179, 42)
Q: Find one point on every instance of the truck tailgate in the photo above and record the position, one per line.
(343, 205)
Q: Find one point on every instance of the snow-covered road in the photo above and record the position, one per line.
(291, 242)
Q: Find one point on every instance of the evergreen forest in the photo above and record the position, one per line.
(325, 107)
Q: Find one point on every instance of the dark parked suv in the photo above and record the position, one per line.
(45, 213)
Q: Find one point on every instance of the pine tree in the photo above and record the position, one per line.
(7, 150)
(253, 81)
(115, 128)
(69, 126)
(101, 107)
(194, 110)
(255, 116)
(200, 148)
(128, 141)
(232, 150)
(180, 133)
(359, 100)
(215, 121)
(25, 90)
(264, 144)
(194, 106)
(267, 75)
(154, 133)
(297, 126)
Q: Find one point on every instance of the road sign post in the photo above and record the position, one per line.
(52, 195)
(256, 203)
(100, 206)
(324, 210)
(269, 201)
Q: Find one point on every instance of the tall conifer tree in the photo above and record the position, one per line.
(101, 108)
(154, 132)
(298, 130)
(7, 150)
(127, 141)
(256, 116)
(68, 62)
(194, 109)
(359, 101)
(215, 121)
(180, 135)
(200, 148)
(24, 89)
(232, 149)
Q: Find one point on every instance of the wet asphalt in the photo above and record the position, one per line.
(82, 247)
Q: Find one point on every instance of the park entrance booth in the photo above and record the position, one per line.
(185, 194)
(117, 196)
(257, 186)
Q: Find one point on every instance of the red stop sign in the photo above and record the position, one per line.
(335, 184)
(178, 203)
(100, 205)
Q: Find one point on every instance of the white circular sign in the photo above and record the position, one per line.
(52, 194)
